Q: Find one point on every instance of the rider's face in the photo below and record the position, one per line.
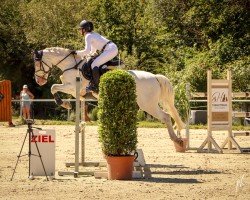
(82, 31)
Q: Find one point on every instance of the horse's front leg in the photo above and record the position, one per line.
(65, 88)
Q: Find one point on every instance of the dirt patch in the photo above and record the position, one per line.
(187, 175)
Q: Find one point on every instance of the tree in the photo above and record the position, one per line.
(130, 25)
(203, 34)
(178, 38)
(13, 45)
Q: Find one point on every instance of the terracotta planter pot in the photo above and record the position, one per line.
(120, 167)
(180, 148)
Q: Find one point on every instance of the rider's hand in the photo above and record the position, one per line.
(74, 52)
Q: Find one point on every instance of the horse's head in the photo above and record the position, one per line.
(49, 57)
(42, 69)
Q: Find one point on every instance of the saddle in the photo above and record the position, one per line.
(86, 70)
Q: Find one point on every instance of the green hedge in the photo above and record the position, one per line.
(117, 113)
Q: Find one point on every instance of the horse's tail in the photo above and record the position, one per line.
(167, 100)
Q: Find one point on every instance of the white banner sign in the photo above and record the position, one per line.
(45, 140)
(220, 100)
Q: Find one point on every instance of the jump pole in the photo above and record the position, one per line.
(79, 130)
(188, 117)
(139, 164)
(77, 127)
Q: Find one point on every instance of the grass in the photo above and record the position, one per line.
(150, 124)
(141, 124)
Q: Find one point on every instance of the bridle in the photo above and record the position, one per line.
(38, 57)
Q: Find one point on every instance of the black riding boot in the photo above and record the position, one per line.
(93, 84)
(96, 77)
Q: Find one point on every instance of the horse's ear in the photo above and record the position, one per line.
(37, 54)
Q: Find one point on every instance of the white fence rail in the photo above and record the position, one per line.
(74, 100)
(47, 100)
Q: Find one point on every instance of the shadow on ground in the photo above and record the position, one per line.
(169, 180)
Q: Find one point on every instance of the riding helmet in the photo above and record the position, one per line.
(87, 25)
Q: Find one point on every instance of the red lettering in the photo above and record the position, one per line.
(42, 138)
(33, 139)
(50, 139)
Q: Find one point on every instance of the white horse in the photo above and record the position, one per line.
(151, 89)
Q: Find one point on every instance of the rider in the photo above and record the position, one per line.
(94, 42)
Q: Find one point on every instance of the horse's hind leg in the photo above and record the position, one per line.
(170, 107)
(167, 100)
(164, 117)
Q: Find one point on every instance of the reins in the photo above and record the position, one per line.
(39, 56)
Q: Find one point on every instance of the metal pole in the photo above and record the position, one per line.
(20, 103)
(188, 117)
(230, 133)
(83, 104)
(83, 141)
(68, 115)
(209, 107)
(77, 127)
(83, 110)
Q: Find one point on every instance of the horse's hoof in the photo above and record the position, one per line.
(180, 144)
(66, 105)
(89, 96)
(179, 141)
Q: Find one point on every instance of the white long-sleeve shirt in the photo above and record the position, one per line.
(93, 42)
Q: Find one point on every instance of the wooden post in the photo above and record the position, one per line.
(209, 141)
(5, 102)
(230, 140)
(219, 113)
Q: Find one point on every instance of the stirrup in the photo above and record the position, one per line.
(91, 88)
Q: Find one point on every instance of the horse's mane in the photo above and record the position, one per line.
(58, 50)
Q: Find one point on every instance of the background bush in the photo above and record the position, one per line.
(176, 38)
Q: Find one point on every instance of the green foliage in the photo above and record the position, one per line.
(200, 35)
(14, 47)
(176, 38)
(151, 124)
(94, 114)
(240, 74)
(52, 23)
(72, 116)
(181, 101)
(141, 116)
(117, 113)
